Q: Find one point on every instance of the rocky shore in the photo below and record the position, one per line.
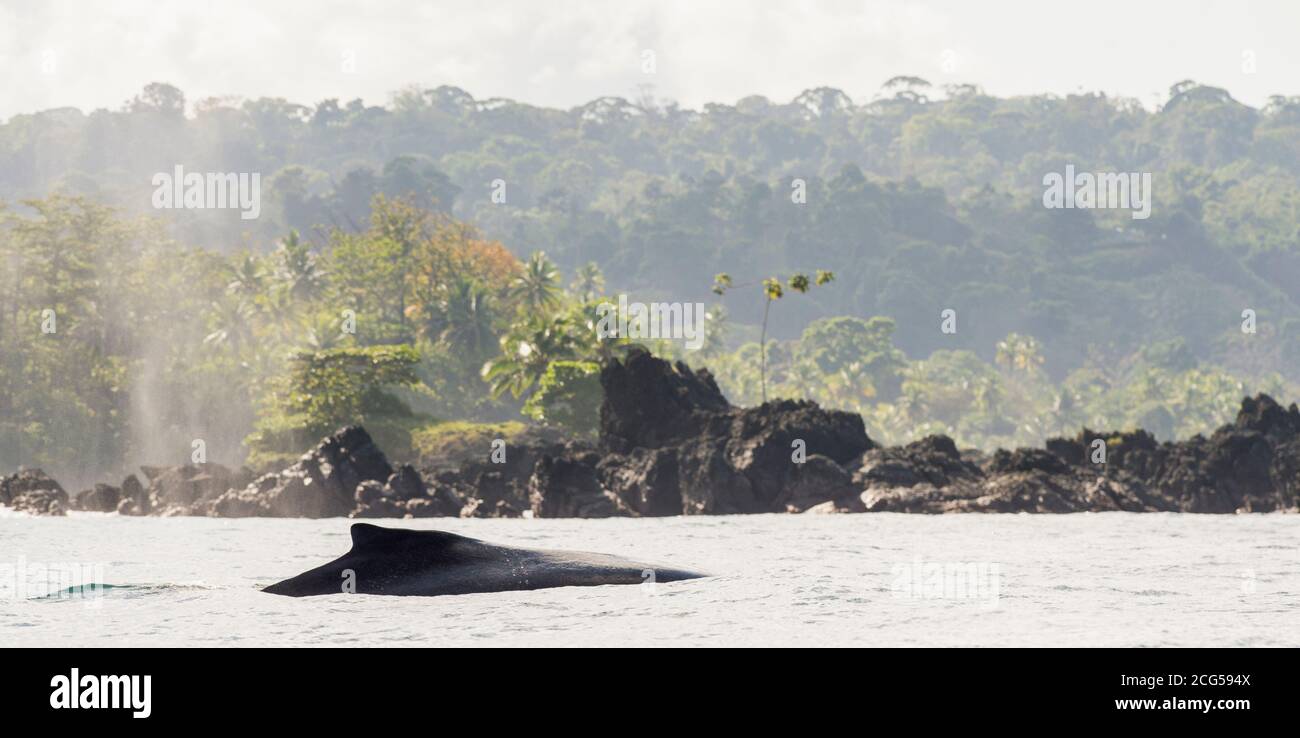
(670, 444)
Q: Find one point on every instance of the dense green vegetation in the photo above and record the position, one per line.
(197, 324)
(927, 199)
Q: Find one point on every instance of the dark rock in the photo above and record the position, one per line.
(1026, 460)
(483, 508)
(761, 444)
(178, 489)
(710, 484)
(135, 494)
(670, 444)
(42, 502)
(673, 445)
(567, 486)
(1265, 416)
(814, 482)
(405, 484)
(425, 507)
(372, 502)
(100, 498)
(645, 481)
(487, 489)
(249, 502)
(1250, 465)
(932, 460)
(32, 491)
(649, 403)
(369, 492)
(322, 484)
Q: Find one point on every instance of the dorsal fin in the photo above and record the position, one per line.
(365, 535)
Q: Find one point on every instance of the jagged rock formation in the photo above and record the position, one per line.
(1250, 465)
(187, 489)
(323, 483)
(485, 489)
(671, 444)
(100, 498)
(31, 491)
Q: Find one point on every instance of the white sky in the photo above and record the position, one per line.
(91, 54)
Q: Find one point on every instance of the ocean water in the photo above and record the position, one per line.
(1100, 579)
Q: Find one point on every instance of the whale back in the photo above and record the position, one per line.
(369, 539)
(395, 561)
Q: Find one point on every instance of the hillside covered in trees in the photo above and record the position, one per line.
(196, 324)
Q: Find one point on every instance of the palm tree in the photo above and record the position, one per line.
(322, 332)
(527, 350)
(1019, 353)
(467, 319)
(537, 289)
(281, 314)
(232, 323)
(585, 318)
(589, 282)
(247, 277)
(297, 270)
(772, 291)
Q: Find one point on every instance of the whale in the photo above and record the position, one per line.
(397, 561)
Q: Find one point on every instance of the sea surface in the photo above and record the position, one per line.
(1104, 579)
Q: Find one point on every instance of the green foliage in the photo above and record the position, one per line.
(928, 197)
(772, 291)
(527, 349)
(348, 385)
(69, 384)
(537, 289)
(451, 442)
(326, 390)
(569, 396)
(855, 351)
(589, 282)
(842, 363)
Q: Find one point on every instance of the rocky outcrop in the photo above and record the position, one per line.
(649, 403)
(497, 485)
(402, 494)
(100, 498)
(31, 491)
(186, 489)
(321, 484)
(933, 460)
(134, 498)
(568, 486)
(1249, 465)
(671, 444)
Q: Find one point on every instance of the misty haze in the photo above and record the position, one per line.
(753, 306)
